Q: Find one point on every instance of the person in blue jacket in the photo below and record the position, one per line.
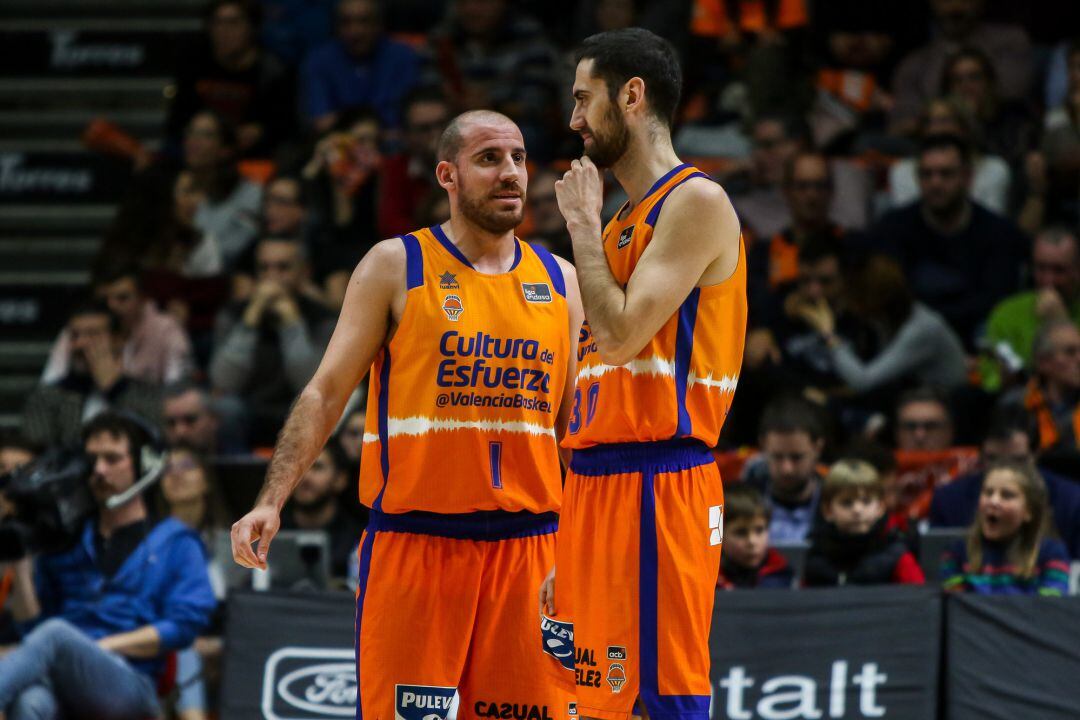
(1010, 437)
(101, 618)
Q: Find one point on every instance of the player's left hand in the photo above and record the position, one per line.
(547, 595)
(580, 193)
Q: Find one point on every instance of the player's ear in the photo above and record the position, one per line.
(446, 174)
(634, 92)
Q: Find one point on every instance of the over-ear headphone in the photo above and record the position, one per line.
(149, 458)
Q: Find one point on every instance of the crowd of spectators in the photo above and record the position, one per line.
(908, 180)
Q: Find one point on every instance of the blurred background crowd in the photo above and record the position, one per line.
(907, 175)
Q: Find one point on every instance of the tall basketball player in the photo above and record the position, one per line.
(471, 339)
(664, 290)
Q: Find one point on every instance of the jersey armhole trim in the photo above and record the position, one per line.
(552, 266)
(414, 262)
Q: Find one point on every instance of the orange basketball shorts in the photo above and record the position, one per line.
(638, 558)
(448, 604)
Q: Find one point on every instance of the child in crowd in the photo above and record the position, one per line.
(854, 546)
(1009, 550)
(748, 561)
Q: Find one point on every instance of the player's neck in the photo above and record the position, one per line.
(491, 253)
(646, 160)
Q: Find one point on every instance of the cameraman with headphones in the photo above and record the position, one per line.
(102, 617)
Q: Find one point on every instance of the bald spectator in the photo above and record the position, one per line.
(959, 23)
(156, 349)
(362, 67)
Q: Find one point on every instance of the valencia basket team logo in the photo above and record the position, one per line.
(453, 307)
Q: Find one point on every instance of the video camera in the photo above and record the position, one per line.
(51, 501)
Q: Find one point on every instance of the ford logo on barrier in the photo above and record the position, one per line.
(308, 683)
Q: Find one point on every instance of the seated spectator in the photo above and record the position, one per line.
(959, 258)
(284, 209)
(748, 561)
(991, 177)
(95, 380)
(808, 193)
(757, 187)
(182, 249)
(103, 615)
(406, 179)
(791, 440)
(1052, 396)
(1060, 148)
(1003, 127)
(923, 421)
(343, 183)
(314, 506)
(155, 348)
(959, 23)
(235, 78)
(1009, 549)
(494, 56)
(853, 546)
(1055, 265)
(917, 344)
(350, 437)
(362, 67)
(548, 225)
(883, 460)
(15, 451)
(231, 204)
(268, 347)
(1011, 438)
(191, 420)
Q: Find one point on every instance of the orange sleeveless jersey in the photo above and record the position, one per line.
(682, 383)
(462, 402)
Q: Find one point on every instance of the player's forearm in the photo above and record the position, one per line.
(309, 425)
(603, 298)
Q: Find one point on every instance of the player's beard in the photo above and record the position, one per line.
(608, 149)
(480, 214)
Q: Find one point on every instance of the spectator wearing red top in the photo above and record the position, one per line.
(406, 180)
(853, 546)
(748, 561)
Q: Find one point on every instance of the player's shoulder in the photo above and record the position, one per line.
(698, 202)
(387, 253)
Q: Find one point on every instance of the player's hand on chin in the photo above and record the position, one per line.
(580, 194)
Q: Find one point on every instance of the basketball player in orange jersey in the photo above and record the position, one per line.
(471, 339)
(664, 290)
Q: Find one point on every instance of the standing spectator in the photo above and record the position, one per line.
(1055, 264)
(959, 258)
(1052, 397)
(314, 506)
(488, 55)
(360, 68)
(1009, 550)
(342, 178)
(269, 346)
(232, 76)
(853, 546)
(959, 23)
(406, 179)
(155, 347)
(104, 614)
(916, 343)
(991, 177)
(792, 439)
(95, 381)
(1010, 438)
(748, 561)
(923, 420)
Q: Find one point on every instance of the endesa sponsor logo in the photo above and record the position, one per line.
(475, 371)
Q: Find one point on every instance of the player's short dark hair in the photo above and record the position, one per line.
(790, 415)
(946, 141)
(619, 55)
(743, 501)
(94, 306)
